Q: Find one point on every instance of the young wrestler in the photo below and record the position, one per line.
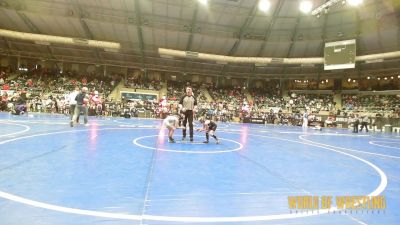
(210, 127)
(172, 123)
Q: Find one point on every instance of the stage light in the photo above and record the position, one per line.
(354, 2)
(305, 7)
(203, 2)
(264, 5)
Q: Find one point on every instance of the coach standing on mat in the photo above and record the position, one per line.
(187, 105)
(72, 103)
(82, 99)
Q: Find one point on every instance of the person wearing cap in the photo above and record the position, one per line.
(81, 106)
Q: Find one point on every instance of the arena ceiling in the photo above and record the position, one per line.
(224, 27)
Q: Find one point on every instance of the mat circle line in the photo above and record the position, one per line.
(27, 128)
(30, 202)
(136, 140)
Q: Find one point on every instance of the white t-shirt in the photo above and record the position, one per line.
(72, 96)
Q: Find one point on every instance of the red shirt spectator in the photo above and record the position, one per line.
(6, 87)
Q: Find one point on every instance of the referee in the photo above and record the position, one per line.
(187, 105)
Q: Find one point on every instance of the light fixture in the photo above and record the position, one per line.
(354, 2)
(330, 3)
(354, 81)
(398, 76)
(349, 80)
(379, 78)
(322, 82)
(305, 7)
(391, 78)
(264, 5)
(203, 2)
(326, 80)
(385, 78)
(368, 77)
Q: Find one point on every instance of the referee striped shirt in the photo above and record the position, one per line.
(188, 102)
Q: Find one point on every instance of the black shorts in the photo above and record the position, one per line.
(214, 128)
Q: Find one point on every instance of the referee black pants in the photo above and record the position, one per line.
(355, 128)
(364, 124)
(188, 117)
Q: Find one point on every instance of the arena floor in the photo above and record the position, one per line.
(123, 171)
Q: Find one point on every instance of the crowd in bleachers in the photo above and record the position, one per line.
(372, 103)
(142, 83)
(230, 102)
(46, 91)
(227, 102)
